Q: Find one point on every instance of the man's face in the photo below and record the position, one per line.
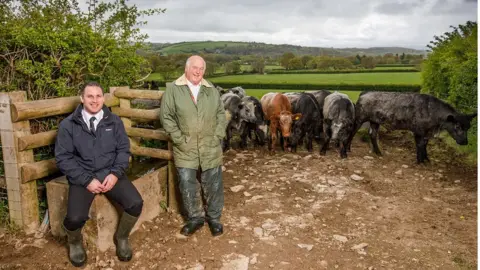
(93, 99)
(194, 72)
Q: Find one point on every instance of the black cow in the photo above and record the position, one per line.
(259, 128)
(338, 122)
(320, 96)
(238, 90)
(236, 113)
(424, 115)
(293, 97)
(311, 118)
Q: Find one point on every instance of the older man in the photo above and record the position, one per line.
(92, 149)
(193, 116)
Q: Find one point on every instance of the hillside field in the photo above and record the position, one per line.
(346, 78)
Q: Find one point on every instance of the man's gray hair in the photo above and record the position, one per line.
(187, 64)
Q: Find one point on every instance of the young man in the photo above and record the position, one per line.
(92, 149)
(193, 116)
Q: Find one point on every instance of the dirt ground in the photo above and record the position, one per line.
(305, 211)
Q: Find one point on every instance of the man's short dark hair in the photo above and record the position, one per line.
(88, 84)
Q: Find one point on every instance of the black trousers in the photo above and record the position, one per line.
(212, 187)
(80, 199)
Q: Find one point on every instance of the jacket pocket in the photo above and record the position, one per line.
(183, 145)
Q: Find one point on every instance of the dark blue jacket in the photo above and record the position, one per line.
(83, 156)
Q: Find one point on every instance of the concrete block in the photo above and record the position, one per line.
(104, 215)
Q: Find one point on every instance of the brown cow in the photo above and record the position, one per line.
(278, 111)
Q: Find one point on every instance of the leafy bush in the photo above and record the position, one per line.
(50, 47)
(450, 72)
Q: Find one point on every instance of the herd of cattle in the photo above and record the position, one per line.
(323, 116)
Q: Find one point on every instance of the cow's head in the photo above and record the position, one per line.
(458, 125)
(285, 119)
(340, 129)
(298, 130)
(247, 112)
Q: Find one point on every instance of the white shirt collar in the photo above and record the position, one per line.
(86, 117)
(191, 85)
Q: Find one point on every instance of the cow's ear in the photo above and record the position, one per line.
(296, 116)
(451, 118)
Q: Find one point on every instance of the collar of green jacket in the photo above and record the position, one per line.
(183, 81)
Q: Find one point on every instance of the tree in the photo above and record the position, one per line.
(285, 59)
(50, 47)
(305, 60)
(258, 65)
(210, 68)
(450, 71)
(232, 67)
(295, 63)
(368, 62)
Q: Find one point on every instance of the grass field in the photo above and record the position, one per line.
(155, 77)
(186, 47)
(349, 78)
(258, 93)
(390, 68)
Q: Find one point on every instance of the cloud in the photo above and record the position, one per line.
(323, 23)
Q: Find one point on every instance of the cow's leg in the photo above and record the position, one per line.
(356, 127)
(425, 143)
(309, 143)
(374, 137)
(245, 130)
(327, 132)
(282, 139)
(273, 134)
(343, 149)
(226, 141)
(421, 144)
(285, 145)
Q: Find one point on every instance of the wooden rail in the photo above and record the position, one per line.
(22, 170)
(50, 107)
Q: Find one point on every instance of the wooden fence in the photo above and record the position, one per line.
(21, 171)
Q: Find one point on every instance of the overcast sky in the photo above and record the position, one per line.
(319, 23)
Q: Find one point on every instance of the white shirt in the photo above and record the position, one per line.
(194, 88)
(86, 117)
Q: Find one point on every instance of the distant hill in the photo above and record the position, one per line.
(255, 48)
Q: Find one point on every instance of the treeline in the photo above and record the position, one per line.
(270, 50)
(170, 66)
(292, 62)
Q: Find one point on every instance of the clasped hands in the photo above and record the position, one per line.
(96, 187)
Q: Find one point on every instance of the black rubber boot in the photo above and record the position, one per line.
(76, 252)
(125, 226)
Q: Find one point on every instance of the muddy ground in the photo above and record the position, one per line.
(305, 211)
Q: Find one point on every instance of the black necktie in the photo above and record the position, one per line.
(92, 126)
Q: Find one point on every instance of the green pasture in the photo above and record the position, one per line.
(348, 78)
(155, 77)
(258, 93)
(390, 68)
(186, 47)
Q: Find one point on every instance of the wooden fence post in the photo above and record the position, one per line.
(22, 198)
(124, 103)
(172, 184)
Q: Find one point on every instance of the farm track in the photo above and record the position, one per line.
(305, 211)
